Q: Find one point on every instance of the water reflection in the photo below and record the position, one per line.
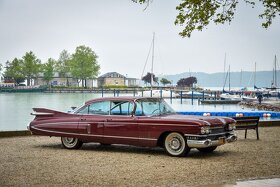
(15, 108)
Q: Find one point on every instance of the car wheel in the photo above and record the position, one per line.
(71, 143)
(207, 149)
(175, 144)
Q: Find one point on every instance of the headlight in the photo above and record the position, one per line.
(232, 126)
(205, 130)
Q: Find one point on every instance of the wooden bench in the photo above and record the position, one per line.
(245, 123)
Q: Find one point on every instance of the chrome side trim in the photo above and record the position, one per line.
(94, 135)
(116, 123)
(62, 123)
(41, 113)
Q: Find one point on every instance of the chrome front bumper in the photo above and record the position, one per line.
(209, 143)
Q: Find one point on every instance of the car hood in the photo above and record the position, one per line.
(213, 121)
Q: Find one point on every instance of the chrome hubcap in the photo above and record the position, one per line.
(69, 142)
(175, 144)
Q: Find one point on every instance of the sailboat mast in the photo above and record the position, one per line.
(152, 70)
(240, 84)
(275, 71)
(225, 59)
(255, 74)
(229, 78)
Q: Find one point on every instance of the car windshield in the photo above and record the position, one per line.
(152, 107)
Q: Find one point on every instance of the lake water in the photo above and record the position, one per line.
(15, 108)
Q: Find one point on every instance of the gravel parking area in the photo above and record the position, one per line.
(41, 161)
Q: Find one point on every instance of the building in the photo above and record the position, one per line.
(115, 79)
(63, 81)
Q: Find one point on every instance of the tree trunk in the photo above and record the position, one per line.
(28, 81)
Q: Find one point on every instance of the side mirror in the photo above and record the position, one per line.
(73, 107)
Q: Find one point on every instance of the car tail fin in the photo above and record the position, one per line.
(45, 112)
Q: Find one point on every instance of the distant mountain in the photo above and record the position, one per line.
(263, 78)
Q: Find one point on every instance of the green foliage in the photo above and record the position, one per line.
(83, 64)
(148, 76)
(14, 71)
(197, 14)
(65, 87)
(48, 70)
(31, 66)
(115, 86)
(164, 81)
(187, 82)
(62, 65)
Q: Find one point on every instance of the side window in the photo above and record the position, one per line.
(99, 108)
(139, 109)
(121, 108)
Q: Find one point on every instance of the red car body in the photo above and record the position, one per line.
(125, 122)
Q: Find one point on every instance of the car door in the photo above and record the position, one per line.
(92, 118)
(121, 127)
(148, 129)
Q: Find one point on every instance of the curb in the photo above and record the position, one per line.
(5, 134)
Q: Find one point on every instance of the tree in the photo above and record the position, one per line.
(62, 65)
(197, 14)
(31, 66)
(164, 81)
(14, 72)
(147, 78)
(84, 65)
(187, 82)
(48, 70)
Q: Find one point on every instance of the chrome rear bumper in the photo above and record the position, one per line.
(209, 143)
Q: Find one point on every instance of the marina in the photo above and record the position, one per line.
(19, 106)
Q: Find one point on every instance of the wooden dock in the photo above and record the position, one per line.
(212, 101)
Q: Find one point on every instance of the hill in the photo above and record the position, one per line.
(263, 78)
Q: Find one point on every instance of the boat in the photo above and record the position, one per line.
(194, 94)
(249, 98)
(228, 96)
(212, 101)
(155, 92)
(158, 93)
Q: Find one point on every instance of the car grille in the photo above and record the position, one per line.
(216, 133)
(217, 130)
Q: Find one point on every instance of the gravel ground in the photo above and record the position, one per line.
(41, 161)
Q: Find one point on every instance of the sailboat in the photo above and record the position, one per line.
(155, 92)
(227, 95)
(274, 90)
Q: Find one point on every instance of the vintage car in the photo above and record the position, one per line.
(138, 121)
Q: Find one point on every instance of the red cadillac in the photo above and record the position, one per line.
(136, 121)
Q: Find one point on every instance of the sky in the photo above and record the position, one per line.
(120, 32)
